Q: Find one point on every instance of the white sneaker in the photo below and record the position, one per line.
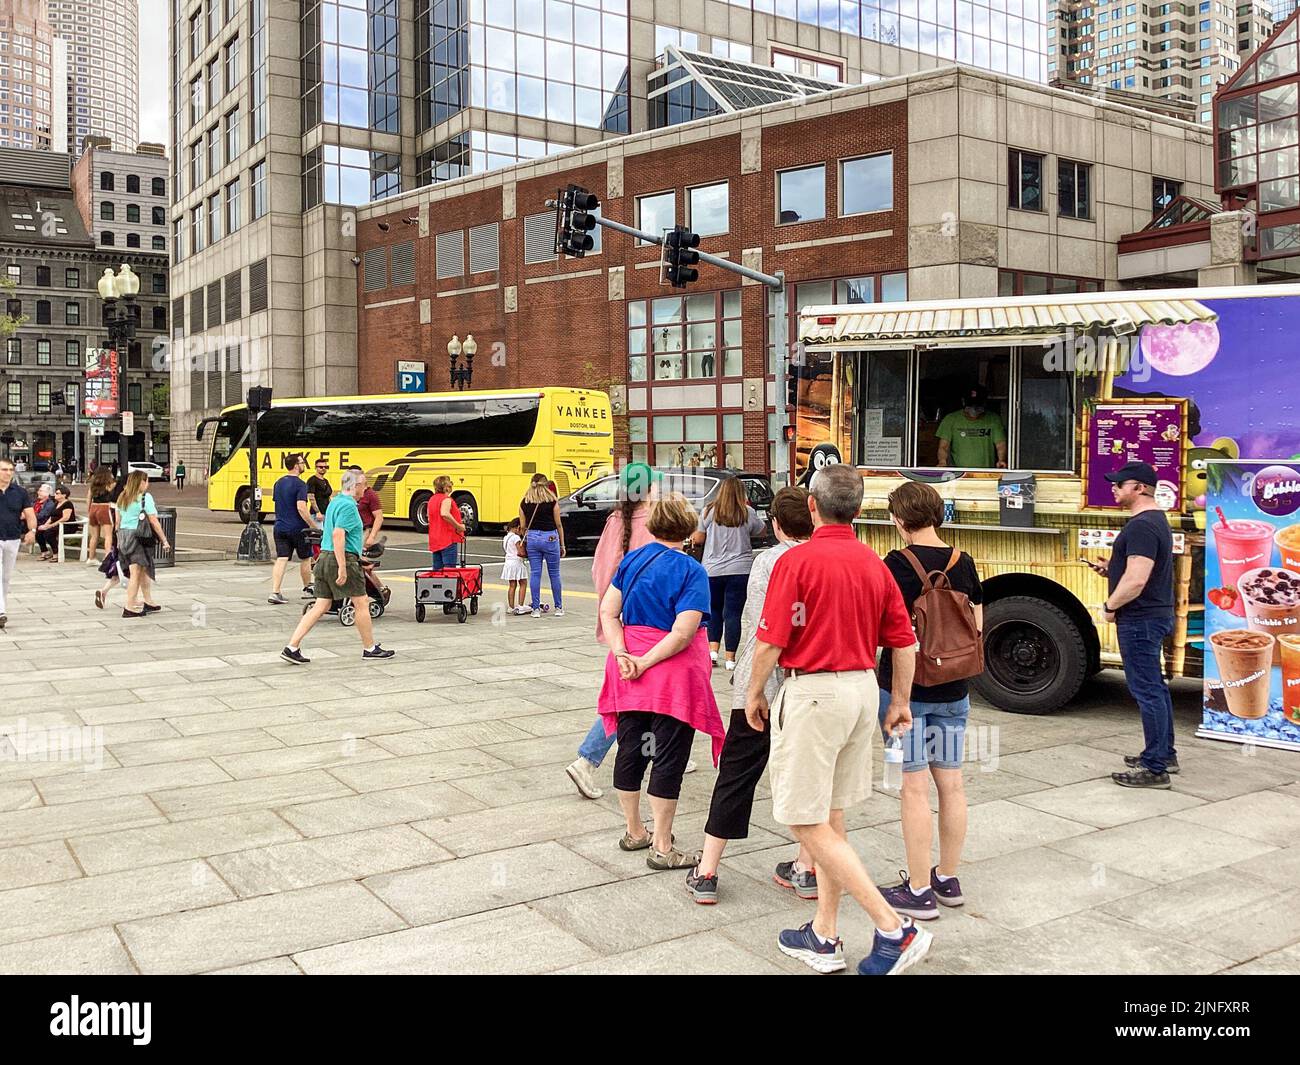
(583, 775)
(713, 657)
(731, 665)
(691, 767)
(535, 613)
(559, 612)
(520, 610)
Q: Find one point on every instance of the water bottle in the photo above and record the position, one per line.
(893, 780)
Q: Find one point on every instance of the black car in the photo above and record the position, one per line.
(584, 512)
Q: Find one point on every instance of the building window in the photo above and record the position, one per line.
(42, 353)
(801, 194)
(196, 229)
(14, 397)
(1020, 283)
(214, 218)
(1073, 189)
(133, 183)
(42, 277)
(158, 284)
(72, 352)
(178, 239)
(708, 209)
(106, 212)
(159, 186)
(72, 277)
(867, 184)
(158, 243)
(14, 273)
(257, 80)
(1024, 180)
(232, 135)
(677, 338)
(257, 189)
(133, 240)
(160, 318)
(158, 216)
(14, 351)
(72, 313)
(1163, 192)
(42, 312)
(232, 64)
(213, 141)
(43, 397)
(232, 206)
(105, 181)
(133, 212)
(135, 398)
(656, 213)
(196, 164)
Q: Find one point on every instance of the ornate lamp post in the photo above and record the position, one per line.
(462, 376)
(118, 291)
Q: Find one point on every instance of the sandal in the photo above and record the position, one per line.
(629, 843)
(674, 859)
(99, 600)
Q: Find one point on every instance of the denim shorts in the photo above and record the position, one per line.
(938, 734)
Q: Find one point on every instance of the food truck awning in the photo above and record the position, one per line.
(856, 327)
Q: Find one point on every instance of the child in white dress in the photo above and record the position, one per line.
(514, 570)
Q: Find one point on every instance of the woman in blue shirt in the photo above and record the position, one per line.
(138, 512)
(657, 691)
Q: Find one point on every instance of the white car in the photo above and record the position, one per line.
(155, 472)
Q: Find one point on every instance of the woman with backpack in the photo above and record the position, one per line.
(139, 532)
(942, 590)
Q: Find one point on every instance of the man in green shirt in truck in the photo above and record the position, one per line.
(973, 437)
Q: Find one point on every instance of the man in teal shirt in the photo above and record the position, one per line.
(973, 438)
(338, 573)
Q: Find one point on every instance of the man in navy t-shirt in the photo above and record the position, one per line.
(292, 519)
(1140, 574)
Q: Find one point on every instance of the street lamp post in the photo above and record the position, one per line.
(462, 377)
(118, 291)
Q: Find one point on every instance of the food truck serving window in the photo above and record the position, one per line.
(966, 408)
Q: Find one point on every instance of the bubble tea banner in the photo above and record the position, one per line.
(1252, 603)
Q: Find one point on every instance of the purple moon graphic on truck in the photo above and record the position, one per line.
(1179, 350)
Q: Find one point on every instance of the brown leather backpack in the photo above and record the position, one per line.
(951, 647)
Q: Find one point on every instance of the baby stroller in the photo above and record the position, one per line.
(344, 608)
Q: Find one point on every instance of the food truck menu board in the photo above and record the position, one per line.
(1118, 432)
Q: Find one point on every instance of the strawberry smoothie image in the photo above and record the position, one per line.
(1243, 544)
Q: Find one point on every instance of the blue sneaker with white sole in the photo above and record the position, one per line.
(947, 891)
(889, 957)
(804, 944)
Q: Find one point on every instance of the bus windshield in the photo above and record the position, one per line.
(228, 438)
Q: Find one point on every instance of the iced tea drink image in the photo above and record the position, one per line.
(1290, 677)
(1288, 546)
(1272, 600)
(1245, 661)
(1243, 545)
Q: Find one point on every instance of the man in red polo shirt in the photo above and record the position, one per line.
(372, 520)
(830, 603)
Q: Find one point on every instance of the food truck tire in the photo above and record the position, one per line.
(1035, 657)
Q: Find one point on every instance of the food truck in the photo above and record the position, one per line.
(1015, 408)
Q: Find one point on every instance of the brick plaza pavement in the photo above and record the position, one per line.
(414, 816)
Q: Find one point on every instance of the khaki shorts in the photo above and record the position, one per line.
(328, 586)
(822, 727)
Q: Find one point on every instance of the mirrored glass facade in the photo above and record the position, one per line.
(350, 64)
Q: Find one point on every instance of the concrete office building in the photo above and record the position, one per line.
(1172, 51)
(46, 251)
(33, 107)
(103, 76)
(122, 196)
(284, 118)
(935, 185)
(1254, 24)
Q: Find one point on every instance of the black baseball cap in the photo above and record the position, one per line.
(975, 396)
(1141, 472)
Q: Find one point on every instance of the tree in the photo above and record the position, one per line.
(9, 323)
(160, 402)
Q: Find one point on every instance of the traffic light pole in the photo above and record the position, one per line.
(776, 282)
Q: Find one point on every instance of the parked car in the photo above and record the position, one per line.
(584, 512)
(33, 479)
(155, 472)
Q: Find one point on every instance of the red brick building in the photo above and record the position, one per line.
(890, 191)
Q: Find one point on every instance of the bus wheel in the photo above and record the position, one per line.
(1035, 657)
(244, 507)
(420, 511)
(468, 512)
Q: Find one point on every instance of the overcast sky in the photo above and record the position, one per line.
(153, 71)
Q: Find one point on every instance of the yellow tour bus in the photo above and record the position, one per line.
(490, 443)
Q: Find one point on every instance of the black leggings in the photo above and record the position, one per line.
(48, 539)
(644, 738)
(727, 603)
(744, 757)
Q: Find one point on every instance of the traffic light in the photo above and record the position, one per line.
(678, 264)
(575, 218)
